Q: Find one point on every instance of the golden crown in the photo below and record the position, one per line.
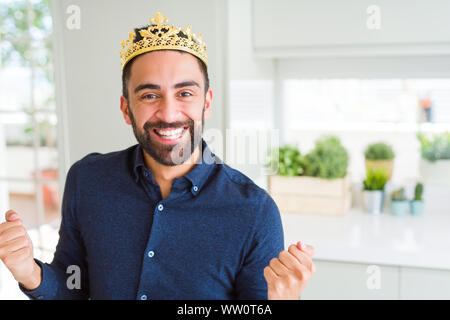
(161, 36)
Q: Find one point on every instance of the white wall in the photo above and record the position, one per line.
(367, 67)
(89, 71)
(249, 78)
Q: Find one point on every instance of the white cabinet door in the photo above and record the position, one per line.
(418, 283)
(327, 27)
(340, 280)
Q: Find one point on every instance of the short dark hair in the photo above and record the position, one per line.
(126, 73)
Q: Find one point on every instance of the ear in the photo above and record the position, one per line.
(124, 108)
(208, 101)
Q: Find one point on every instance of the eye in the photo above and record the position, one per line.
(186, 94)
(149, 96)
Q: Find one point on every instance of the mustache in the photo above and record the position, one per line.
(165, 125)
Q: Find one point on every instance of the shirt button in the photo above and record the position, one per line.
(151, 254)
(195, 188)
(143, 297)
(160, 207)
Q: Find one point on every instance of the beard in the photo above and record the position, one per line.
(169, 154)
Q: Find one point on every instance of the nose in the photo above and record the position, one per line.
(168, 110)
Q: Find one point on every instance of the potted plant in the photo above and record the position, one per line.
(373, 193)
(399, 202)
(380, 155)
(328, 160)
(417, 204)
(435, 161)
(316, 183)
(287, 160)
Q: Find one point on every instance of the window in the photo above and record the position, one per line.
(364, 102)
(362, 111)
(28, 139)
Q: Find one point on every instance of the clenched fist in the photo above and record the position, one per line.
(16, 251)
(288, 274)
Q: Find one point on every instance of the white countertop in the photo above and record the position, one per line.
(359, 237)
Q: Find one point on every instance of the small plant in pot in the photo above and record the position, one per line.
(399, 202)
(435, 161)
(328, 160)
(373, 193)
(315, 183)
(287, 160)
(380, 155)
(417, 204)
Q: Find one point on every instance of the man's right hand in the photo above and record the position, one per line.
(16, 252)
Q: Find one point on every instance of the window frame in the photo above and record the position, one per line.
(33, 111)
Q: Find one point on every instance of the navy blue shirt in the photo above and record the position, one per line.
(210, 238)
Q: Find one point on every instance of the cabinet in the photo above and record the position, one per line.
(349, 281)
(299, 28)
(423, 284)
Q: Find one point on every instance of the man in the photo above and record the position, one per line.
(164, 219)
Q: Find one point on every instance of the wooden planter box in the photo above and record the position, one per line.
(309, 195)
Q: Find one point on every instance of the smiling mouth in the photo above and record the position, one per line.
(170, 134)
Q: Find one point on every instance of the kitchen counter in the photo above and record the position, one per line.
(359, 237)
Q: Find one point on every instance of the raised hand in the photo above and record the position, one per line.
(16, 251)
(288, 274)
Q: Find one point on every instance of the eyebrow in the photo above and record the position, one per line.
(157, 87)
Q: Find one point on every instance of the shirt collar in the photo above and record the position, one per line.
(197, 176)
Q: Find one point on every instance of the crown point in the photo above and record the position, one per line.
(188, 31)
(159, 19)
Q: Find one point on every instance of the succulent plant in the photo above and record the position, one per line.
(379, 151)
(287, 160)
(376, 179)
(328, 160)
(435, 148)
(418, 192)
(398, 195)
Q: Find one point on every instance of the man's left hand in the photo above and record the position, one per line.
(288, 274)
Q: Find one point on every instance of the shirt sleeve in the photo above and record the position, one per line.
(267, 243)
(66, 276)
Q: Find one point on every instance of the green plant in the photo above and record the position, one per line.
(21, 19)
(398, 195)
(376, 179)
(287, 160)
(418, 192)
(328, 159)
(435, 148)
(379, 151)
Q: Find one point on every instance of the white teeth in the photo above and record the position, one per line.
(171, 134)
